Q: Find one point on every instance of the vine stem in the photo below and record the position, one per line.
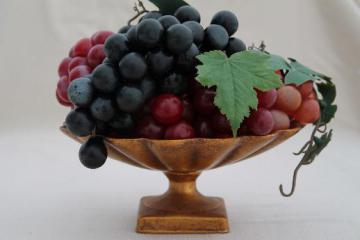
(139, 12)
(293, 182)
(308, 145)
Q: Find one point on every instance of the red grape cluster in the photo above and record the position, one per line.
(140, 83)
(83, 57)
(282, 108)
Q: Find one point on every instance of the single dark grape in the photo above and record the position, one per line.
(187, 13)
(216, 37)
(181, 130)
(149, 33)
(168, 20)
(124, 29)
(149, 128)
(203, 129)
(81, 92)
(151, 15)
(188, 113)
(187, 61)
(148, 87)
(179, 38)
(160, 62)
(132, 37)
(102, 109)
(235, 45)
(226, 19)
(93, 153)
(122, 123)
(105, 78)
(133, 42)
(220, 124)
(133, 67)
(197, 30)
(167, 109)
(174, 83)
(130, 99)
(116, 47)
(80, 122)
(204, 101)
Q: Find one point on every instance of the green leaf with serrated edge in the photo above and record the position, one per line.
(328, 91)
(328, 95)
(306, 70)
(278, 62)
(236, 79)
(327, 112)
(296, 77)
(168, 6)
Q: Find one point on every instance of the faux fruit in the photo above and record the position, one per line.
(141, 83)
(93, 153)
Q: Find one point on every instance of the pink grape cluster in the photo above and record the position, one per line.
(283, 108)
(83, 58)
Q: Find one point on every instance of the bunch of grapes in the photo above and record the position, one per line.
(283, 108)
(140, 83)
(83, 57)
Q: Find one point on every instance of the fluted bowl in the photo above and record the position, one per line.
(182, 209)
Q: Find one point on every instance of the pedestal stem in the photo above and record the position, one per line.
(182, 184)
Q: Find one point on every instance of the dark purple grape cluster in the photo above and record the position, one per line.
(146, 87)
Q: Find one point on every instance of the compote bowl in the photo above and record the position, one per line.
(182, 209)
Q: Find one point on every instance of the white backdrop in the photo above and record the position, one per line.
(46, 194)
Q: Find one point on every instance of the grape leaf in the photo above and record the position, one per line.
(328, 95)
(236, 79)
(277, 63)
(302, 68)
(168, 6)
(327, 113)
(298, 74)
(294, 76)
(328, 92)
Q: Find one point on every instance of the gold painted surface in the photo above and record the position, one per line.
(182, 209)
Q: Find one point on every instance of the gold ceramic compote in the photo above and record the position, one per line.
(182, 209)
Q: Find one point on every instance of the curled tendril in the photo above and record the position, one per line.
(293, 182)
(140, 9)
(302, 150)
(306, 159)
(324, 130)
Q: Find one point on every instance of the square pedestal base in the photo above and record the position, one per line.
(159, 221)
